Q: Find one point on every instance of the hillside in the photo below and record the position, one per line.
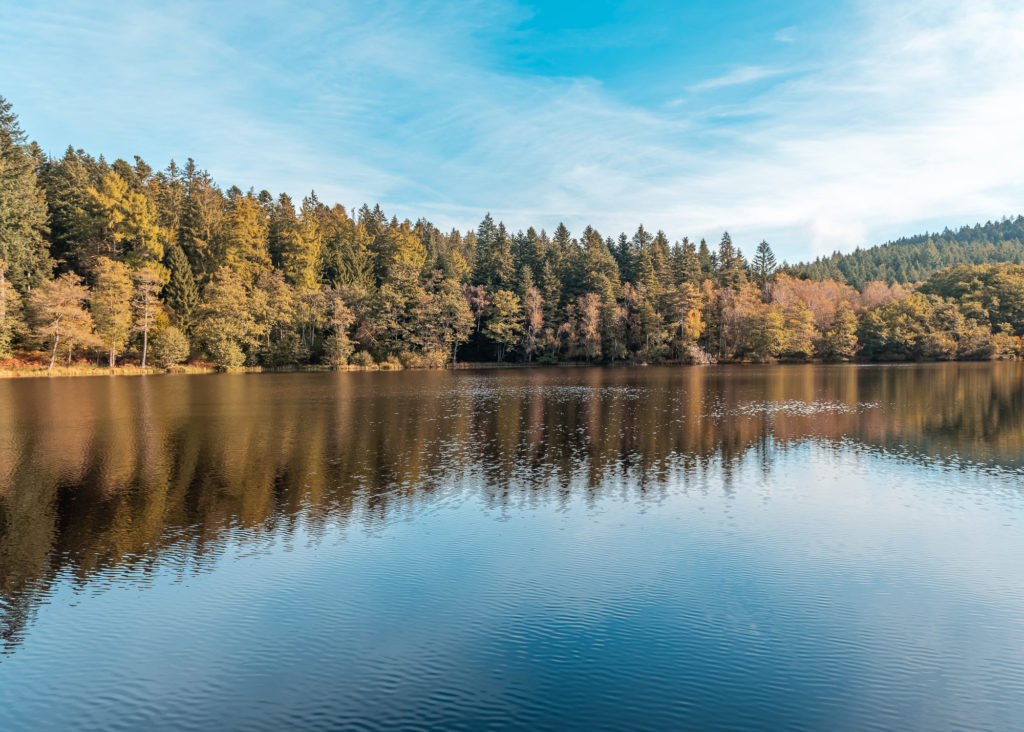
(915, 258)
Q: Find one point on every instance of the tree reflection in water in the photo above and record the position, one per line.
(128, 472)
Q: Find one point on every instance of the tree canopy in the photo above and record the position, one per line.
(98, 259)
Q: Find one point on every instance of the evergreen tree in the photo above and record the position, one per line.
(763, 264)
(182, 292)
(127, 223)
(731, 268)
(242, 245)
(202, 220)
(339, 346)
(23, 212)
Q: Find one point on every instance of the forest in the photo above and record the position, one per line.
(113, 263)
(914, 259)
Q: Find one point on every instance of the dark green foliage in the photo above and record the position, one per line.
(763, 264)
(182, 292)
(22, 206)
(914, 259)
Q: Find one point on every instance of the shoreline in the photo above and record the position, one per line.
(196, 369)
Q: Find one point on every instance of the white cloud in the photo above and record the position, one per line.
(908, 117)
(736, 77)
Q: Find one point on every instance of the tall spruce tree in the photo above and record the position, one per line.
(763, 264)
(182, 292)
(23, 213)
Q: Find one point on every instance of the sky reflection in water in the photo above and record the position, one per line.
(802, 547)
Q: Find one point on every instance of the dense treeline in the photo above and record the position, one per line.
(105, 260)
(914, 259)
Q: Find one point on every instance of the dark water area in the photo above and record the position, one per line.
(778, 547)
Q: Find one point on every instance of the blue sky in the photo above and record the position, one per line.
(815, 125)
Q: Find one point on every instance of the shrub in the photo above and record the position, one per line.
(226, 353)
(410, 360)
(170, 347)
(363, 359)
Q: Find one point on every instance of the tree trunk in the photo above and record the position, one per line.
(113, 358)
(145, 345)
(53, 353)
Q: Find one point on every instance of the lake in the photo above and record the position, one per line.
(735, 547)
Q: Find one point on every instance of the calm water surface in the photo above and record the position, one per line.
(788, 547)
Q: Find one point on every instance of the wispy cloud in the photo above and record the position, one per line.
(907, 116)
(736, 77)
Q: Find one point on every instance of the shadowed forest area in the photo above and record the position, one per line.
(108, 263)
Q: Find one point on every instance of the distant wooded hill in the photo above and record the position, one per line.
(915, 258)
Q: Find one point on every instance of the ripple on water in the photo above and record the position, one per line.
(660, 549)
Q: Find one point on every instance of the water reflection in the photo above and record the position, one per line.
(127, 472)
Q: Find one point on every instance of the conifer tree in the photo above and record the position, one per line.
(23, 212)
(127, 223)
(763, 264)
(202, 217)
(731, 268)
(182, 292)
(338, 346)
(243, 244)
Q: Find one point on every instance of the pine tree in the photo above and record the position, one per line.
(23, 212)
(303, 253)
(202, 217)
(455, 319)
(182, 292)
(731, 271)
(763, 264)
(339, 346)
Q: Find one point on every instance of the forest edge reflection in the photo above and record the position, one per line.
(102, 473)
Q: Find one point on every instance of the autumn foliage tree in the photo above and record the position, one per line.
(59, 316)
(111, 305)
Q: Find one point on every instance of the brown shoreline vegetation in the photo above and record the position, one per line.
(152, 271)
